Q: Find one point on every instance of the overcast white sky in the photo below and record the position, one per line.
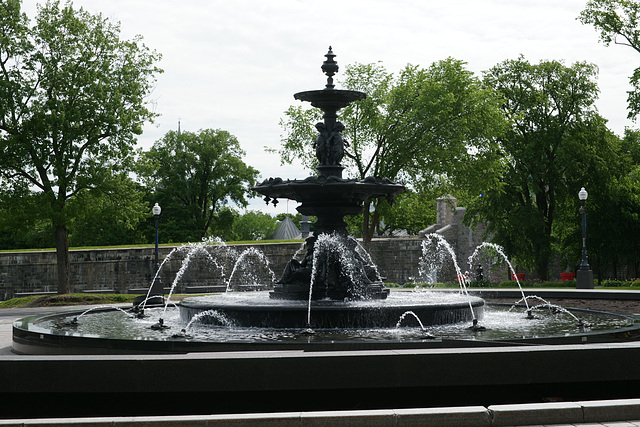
(235, 65)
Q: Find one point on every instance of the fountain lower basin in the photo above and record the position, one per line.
(111, 331)
(256, 309)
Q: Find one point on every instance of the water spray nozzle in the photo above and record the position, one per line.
(160, 325)
(308, 331)
(475, 327)
(72, 322)
(182, 334)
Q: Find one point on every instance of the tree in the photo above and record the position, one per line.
(617, 21)
(413, 211)
(19, 227)
(222, 224)
(551, 108)
(428, 124)
(255, 225)
(192, 175)
(111, 215)
(73, 95)
(612, 177)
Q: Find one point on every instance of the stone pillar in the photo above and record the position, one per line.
(584, 279)
(445, 206)
(305, 226)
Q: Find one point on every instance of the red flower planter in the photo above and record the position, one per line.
(567, 276)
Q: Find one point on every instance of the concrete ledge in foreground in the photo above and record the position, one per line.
(495, 415)
(442, 417)
(536, 414)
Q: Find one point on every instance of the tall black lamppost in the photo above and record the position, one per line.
(156, 213)
(584, 274)
(156, 294)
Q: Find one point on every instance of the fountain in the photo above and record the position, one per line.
(338, 283)
(330, 285)
(328, 314)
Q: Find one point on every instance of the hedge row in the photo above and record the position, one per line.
(621, 283)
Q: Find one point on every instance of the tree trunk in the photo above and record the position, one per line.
(369, 222)
(365, 223)
(62, 256)
(543, 268)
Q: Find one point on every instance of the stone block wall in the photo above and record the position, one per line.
(126, 269)
(121, 270)
(396, 259)
(131, 269)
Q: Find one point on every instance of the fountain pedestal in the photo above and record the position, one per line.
(584, 279)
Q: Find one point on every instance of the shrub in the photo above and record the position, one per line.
(614, 283)
(556, 284)
(507, 284)
(481, 284)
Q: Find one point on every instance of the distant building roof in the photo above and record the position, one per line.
(287, 230)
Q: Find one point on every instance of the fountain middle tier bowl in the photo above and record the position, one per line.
(256, 309)
(335, 190)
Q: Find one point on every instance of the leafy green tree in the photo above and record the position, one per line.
(222, 224)
(617, 21)
(109, 216)
(255, 225)
(551, 108)
(20, 228)
(612, 177)
(73, 95)
(425, 124)
(412, 211)
(192, 175)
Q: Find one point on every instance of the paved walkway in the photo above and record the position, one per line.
(9, 315)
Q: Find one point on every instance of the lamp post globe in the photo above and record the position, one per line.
(582, 195)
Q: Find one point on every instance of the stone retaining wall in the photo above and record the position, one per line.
(131, 269)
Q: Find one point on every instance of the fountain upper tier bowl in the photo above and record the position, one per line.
(330, 99)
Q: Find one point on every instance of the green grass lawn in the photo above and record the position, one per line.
(150, 245)
(75, 299)
(66, 299)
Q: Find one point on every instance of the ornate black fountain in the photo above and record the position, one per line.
(330, 198)
(335, 285)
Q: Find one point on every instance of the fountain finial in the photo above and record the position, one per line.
(330, 68)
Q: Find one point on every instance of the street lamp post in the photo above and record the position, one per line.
(156, 213)
(156, 294)
(584, 276)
